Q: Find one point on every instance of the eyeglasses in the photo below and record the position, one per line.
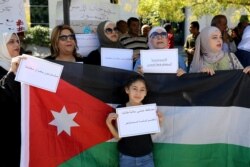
(157, 35)
(110, 30)
(66, 37)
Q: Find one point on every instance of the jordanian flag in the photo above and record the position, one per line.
(207, 119)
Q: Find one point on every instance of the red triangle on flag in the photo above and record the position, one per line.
(49, 148)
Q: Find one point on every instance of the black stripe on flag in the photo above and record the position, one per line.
(225, 88)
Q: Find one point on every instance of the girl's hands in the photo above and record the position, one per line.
(110, 118)
(160, 117)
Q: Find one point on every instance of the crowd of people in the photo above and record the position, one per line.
(208, 51)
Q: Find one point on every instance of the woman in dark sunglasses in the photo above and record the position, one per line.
(157, 39)
(108, 37)
(64, 45)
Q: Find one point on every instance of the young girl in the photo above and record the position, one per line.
(136, 150)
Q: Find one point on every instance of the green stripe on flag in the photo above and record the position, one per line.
(207, 155)
(169, 155)
(219, 137)
(101, 155)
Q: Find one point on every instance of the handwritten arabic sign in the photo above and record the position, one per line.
(89, 13)
(12, 16)
(137, 120)
(80, 10)
(87, 43)
(117, 58)
(39, 73)
(159, 60)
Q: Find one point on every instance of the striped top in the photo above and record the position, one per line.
(134, 43)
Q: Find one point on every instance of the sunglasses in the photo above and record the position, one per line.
(110, 30)
(157, 35)
(66, 37)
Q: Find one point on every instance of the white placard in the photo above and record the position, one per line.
(90, 10)
(89, 13)
(39, 73)
(87, 43)
(137, 120)
(159, 60)
(12, 16)
(117, 58)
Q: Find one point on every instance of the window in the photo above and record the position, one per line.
(114, 1)
(39, 13)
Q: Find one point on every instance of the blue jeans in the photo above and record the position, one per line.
(144, 161)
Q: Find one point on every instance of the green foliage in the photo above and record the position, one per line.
(155, 11)
(203, 7)
(37, 35)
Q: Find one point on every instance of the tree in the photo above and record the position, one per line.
(157, 10)
(212, 7)
(172, 10)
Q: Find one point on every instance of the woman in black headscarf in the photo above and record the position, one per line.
(108, 38)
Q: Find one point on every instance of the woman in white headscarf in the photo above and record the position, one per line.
(157, 39)
(243, 52)
(10, 107)
(9, 47)
(209, 56)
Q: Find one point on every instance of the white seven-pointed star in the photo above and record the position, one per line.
(63, 121)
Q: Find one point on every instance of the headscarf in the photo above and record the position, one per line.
(103, 39)
(203, 52)
(245, 41)
(5, 58)
(154, 29)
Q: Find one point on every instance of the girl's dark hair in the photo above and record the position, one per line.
(129, 81)
(134, 78)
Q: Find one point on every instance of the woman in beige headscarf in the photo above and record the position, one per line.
(210, 57)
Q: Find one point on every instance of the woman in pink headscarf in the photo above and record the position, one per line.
(209, 56)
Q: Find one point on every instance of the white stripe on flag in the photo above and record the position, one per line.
(25, 125)
(205, 125)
